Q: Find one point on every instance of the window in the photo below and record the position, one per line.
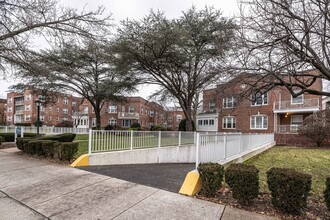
(211, 122)
(206, 122)
(141, 111)
(112, 122)
(126, 123)
(151, 124)
(259, 99)
(85, 109)
(9, 118)
(229, 122)
(259, 122)
(212, 105)
(57, 118)
(10, 100)
(94, 122)
(74, 104)
(229, 102)
(151, 113)
(27, 117)
(28, 97)
(42, 108)
(297, 100)
(123, 108)
(27, 107)
(178, 117)
(65, 101)
(93, 110)
(49, 118)
(64, 119)
(296, 119)
(10, 109)
(42, 118)
(50, 109)
(57, 109)
(65, 111)
(131, 110)
(112, 109)
(200, 122)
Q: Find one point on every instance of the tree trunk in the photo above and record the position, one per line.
(189, 125)
(98, 118)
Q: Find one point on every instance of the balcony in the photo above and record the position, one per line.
(307, 105)
(19, 112)
(287, 129)
(128, 115)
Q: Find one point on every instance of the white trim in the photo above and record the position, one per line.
(302, 119)
(297, 103)
(262, 102)
(263, 115)
(234, 118)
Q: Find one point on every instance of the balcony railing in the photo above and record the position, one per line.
(128, 115)
(306, 104)
(19, 102)
(285, 129)
(19, 112)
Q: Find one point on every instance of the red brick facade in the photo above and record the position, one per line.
(272, 111)
(3, 111)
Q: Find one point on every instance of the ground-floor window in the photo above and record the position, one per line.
(229, 122)
(296, 119)
(126, 123)
(112, 121)
(94, 122)
(259, 122)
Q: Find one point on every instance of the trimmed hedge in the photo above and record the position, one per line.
(66, 137)
(289, 189)
(243, 180)
(49, 148)
(212, 176)
(327, 193)
(8, 137)
(21, 141)
(68, 150)
(1, 140)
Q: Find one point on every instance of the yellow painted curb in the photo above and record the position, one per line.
(192, 184)
(82, 161)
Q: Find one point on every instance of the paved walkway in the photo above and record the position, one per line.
(35, 189)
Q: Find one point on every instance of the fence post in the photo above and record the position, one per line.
(132, 139)
(6, 129)
(159, 138)
(197, 150)
(179, 138)
(240, 143)
(15, 133)
(22, 131)
(195, 137)
(225, 145)
(90, 136)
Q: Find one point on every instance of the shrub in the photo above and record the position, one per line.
(20, 144)
(136, 125)
(108, 128)
(182, 125)
(31, 135)
(66, 137)
(36, 123)
(244, 182)
(25, 145)
(158, 128)
(65, 124)
(212, 176)
(9, 137)
(327, 193)
(68, 150)
(289, 189)
(1, 140)
(49, 148)
(23, 124)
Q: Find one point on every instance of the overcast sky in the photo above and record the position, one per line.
(122, 9)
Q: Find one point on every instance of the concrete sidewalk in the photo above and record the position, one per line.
(35, 189)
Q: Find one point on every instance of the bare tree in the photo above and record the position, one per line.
(84, 68)
(282, 40)
(181, 55)
(21, 22)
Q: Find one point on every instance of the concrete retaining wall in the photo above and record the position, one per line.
(183, 154)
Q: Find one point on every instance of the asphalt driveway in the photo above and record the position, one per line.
(168, 177)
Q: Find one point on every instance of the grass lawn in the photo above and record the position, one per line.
(315, 162)
(83, 144)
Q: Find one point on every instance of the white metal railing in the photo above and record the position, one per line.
(306, 103)
(226, 146)
(104, 141)
(44, 130)
(128, 115)
(281, 129)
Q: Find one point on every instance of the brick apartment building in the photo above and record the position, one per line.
(3, 111)
(21, 108)
(122, 114)
(62, 107)
(173, 117)
(274, 111)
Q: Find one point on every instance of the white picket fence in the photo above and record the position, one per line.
(43, 130)
(224, 147)
(106, 141)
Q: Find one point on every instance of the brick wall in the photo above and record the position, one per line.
(297, 140)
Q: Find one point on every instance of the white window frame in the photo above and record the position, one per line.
(178, 118)
(112, 122)
(10, 109)
(262, 122)
(50, 118)
(65, 111)
(293, 102)
(65, 101)
(212, 105)
(9, 118)
(28, 97)
(130, 111)
(226, 120)
(42, 118)
(297, 116)
(27, 117)
(10, 100)
(229, 102)
(112, 109)
(263, 100)
(129, 124)
(85, 107)
(93, 122)
(200, 122)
